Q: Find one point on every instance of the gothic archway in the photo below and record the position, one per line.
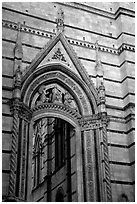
(54, 91)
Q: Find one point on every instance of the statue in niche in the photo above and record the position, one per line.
(37, 137)
(56, 95)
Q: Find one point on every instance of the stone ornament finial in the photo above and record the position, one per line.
(60, 20)
(17, 83)
(98, 65)
(97, 52)
(18, 51)
(18, 75)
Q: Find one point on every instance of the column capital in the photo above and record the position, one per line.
(25, 112)
(16, 106)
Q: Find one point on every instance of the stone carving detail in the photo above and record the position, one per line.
(57, 107)
(68, 100)
(19, 110)
(53, 94)
(106, 165)
(59, 56)
(56, 95)
(13, 160)
(64, 79)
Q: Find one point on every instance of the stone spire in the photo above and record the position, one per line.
(60, 20)
(18, 52)
(18, 55)
(98, 67)
(99, 80)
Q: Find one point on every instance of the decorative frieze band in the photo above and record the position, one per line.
(81, 43)
(95, 121)
(86, 123)
(56, 107)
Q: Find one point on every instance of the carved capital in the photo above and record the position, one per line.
(25, 112)
(18, 107)
(90, 122)
(94, 121)
(14, 105)
(104, 118)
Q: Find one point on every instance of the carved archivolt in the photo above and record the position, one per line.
(49, 92)
(54, 93)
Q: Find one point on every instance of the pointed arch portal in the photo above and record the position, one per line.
(53, 91)
(38, 93)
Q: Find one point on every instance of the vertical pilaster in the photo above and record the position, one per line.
(15, 106)
(90, 166)
(23, 159)
(103, 164)
(103, 156)
(106, 180)
(14, 148)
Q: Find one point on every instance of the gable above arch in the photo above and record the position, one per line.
(59, 50)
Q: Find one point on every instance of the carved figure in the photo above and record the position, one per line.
(56, 95)
(44, 95)
(69, 101)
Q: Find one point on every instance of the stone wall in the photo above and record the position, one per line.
(112, 24)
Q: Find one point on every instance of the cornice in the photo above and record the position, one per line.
(109, 35)
(97, 11)
(50, 35)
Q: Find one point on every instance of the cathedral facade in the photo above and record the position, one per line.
(68, 72)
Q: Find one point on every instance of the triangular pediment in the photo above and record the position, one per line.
(58, 53)
(59, 49)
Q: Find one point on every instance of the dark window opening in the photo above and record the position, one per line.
(59, 142)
